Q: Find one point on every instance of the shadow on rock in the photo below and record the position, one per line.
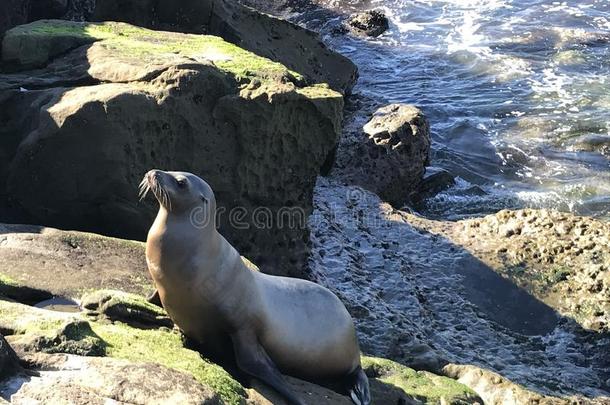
(504, 302)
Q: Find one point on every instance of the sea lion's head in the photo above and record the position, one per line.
(180, 192)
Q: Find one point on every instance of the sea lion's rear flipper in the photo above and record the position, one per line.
(359, 387)
(253, 360)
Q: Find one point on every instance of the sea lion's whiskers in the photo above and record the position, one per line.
(168, 201)
(144, 188)
(162, 194)
(157, 192)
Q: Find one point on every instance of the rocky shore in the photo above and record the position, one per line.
(510, 308)
(119, 347)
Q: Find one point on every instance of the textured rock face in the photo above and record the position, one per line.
(126, 100)
(562, 259)
(370, 23)
(391, 158)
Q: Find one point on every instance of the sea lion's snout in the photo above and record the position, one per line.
(153, 176)
(153, 181)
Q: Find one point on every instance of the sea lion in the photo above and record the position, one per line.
(274, 324)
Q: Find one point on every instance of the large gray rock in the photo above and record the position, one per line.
(67, 263)
(40, 262)
(392, 154)
(131, 100)
(369, 23)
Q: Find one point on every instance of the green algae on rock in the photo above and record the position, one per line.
(124, 307)
(161, 346)
(421, 385)
(72, 336)
(165, 347)
(35, 44)
(291, 44)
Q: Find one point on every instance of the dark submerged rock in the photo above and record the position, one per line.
(435, 180)
(369, 23)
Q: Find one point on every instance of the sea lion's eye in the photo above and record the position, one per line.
(181, 183)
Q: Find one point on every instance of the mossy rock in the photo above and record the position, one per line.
(72, 337)
(165, 347)
(35, 44)
(128, 308)
(420, 385)
(33, 329)
(162, 346)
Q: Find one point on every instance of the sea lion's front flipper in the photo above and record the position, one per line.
(253, 360)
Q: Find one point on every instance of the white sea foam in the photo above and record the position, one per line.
(494, 73)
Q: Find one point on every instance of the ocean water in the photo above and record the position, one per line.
(517, 94)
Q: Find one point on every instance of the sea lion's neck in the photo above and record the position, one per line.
(174, 239)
